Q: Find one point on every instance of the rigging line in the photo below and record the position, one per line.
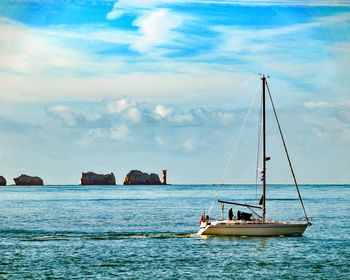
(287, 154)
(212, 203)
(238, 137)
(232, 152)
(258, 152)
(254, 212)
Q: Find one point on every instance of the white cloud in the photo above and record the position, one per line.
(115, 12)
(156, 24)
(125, 108)
(118, 106)
(65, 114)
(156, 28)
(134, 114)
(119, 132)
(163, 111)
(225, 117)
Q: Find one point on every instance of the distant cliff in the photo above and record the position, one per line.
(91, 178)
(26, 180)
(136, 177)
(2, 181)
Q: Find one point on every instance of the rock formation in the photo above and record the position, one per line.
(91, 178)
(2, 181)
(25, 180)
(136, 177)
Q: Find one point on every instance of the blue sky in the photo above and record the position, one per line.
(120, 85)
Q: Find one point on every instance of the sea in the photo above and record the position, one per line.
(149, 232)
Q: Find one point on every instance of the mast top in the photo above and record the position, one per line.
(263, 76)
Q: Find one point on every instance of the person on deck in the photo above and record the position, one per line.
(204, 218)
(230, 214)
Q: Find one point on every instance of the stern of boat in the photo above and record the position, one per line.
(203, 226)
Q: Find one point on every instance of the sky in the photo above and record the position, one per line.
(111, 86)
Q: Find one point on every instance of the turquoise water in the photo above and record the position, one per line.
(102, 232)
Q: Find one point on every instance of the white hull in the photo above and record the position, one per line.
(250, 228)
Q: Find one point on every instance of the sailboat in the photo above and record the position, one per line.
(248, 224)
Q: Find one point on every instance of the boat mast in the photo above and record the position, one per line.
(263, 78)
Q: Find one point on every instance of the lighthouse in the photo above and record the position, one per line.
(164, 177)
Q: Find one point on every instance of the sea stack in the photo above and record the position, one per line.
(136, 177)
(2, 181)
(26, 180)
(91, 178)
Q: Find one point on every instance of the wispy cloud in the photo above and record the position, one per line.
(63, 70)
(124, 6)
(48, 58)
(244, 41)
(329, 120)
(317, 3)
(121, 7)
(326, 104)
(27, 50)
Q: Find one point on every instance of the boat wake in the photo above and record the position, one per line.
(139, 235)
(39, 235)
